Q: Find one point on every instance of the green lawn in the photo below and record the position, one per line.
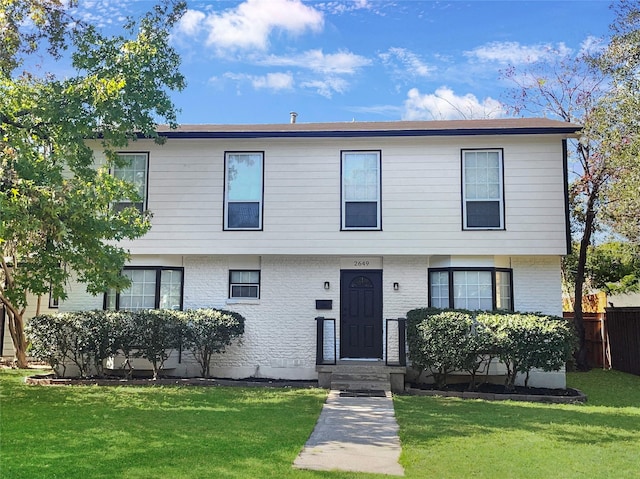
(171, 432)
(454, 438)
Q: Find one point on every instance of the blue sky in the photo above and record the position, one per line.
(254, 61)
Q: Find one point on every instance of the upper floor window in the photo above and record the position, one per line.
(243, 195)
(133, 170)
(471, 288)
(151, 288)
(361, 173)
(482, 189)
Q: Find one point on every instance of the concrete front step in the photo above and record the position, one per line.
(365, 376)
(361, 385)
(357, 376)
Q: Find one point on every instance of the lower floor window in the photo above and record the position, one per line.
(244, 284)
(471, 288)
(150, 288)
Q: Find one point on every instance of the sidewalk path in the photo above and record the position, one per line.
(354, 434)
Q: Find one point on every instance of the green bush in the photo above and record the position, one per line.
(126, 340)
(157, 333)
(443, 341)
(52, 339)
(527, 341)
(87, 338)
(210, 331)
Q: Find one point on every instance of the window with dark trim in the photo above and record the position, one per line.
(361, 178)
(243, 191)
(133, 169)
(471, 288)
(53, 301)
(482, 189)
(244, 284)
(151, 288)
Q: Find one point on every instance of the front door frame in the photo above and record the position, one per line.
(346, 276)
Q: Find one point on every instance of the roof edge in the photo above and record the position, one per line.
(568, 131)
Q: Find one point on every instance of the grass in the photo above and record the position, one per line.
(180, 432)
(454, 438)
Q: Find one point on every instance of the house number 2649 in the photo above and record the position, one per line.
(361, 263)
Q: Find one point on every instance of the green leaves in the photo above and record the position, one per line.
(444, 341)
(612, 267)
(56, 214)
(87, 338)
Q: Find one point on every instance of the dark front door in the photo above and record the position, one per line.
(361, 314)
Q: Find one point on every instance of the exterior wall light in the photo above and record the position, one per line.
(327, 285)
(396, 286)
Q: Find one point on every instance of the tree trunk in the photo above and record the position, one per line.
(16, 329)
(582, 363)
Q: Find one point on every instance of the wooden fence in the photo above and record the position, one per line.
(595, 337)
(623, 327)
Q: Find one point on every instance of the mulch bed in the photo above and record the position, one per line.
(498, 392)
(51, 380)
(487, 391)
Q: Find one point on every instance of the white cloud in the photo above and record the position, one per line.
(327, 87)
(191, 22)
(270, 81)
(339, 8)
(274, 81)
(444, 104)
(316, 60)
(250, 24)
(102, 13)
(514, 53)
(592, 45)
(405, 63)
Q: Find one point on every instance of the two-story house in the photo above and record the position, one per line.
(354, 222)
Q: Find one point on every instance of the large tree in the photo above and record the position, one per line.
(570, 89)
(57, 217)
(621, 62)
(586, 90)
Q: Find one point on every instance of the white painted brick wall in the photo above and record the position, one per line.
(280, 327)
(537, 284)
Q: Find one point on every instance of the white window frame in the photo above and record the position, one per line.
(471, 197)
(501, 288)
(347, 197)
(143, 189)
(248, 283)
(112, 299)
(255, 198)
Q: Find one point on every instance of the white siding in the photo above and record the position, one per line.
(421, 199)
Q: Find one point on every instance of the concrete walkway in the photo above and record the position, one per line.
(354, 434)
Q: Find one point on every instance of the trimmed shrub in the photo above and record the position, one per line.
(527, 341)
(126, 341)
(52, 339)
(87, 338)
(157, 332)
(442, 343)
(97, 338)
(208, 332)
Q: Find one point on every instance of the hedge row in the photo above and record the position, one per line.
(87, 338)
(444, 341)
